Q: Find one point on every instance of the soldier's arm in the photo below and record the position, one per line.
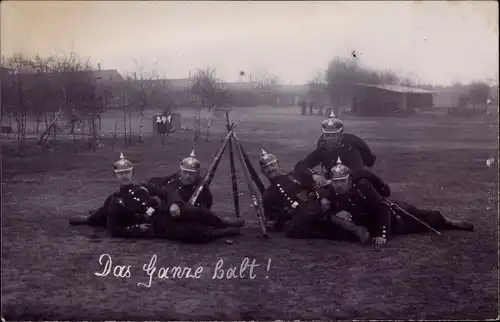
(307, 165)
(376, 203)
(98, 217)
(382, 188)
(161, 182)
(305, 179)
(115, 225)
(367, 155)
(206, 198)
(270, 210)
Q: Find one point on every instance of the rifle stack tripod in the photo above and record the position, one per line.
(255, 185)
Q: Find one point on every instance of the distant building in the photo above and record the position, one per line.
(292, 94)
(374, 100)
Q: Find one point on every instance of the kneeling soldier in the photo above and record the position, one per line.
(292, 203)
(357, 199)
(333, 144)
(185, 182)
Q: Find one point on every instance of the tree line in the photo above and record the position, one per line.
(338, 83)
(45, 89)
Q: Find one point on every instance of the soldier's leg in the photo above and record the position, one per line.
(305, 224)
(207, 218)
(98, 218)
(95, 218)
(434, 218)
(349, 230)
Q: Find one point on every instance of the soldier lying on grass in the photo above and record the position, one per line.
(361, 198)
(185, 182)
(332, 144)
(143, 210)
(291, 203)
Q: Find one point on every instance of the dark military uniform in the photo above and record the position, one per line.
(366, 203)
(133, 205)
(173, 183)
(196, 224)
(353, 151)
(292, 202)
(129, 210)
(285, 194)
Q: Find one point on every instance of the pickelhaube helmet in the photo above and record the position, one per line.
(267, 159)
(190, 163)
(340, 171)
(123, 165)
(332, 125)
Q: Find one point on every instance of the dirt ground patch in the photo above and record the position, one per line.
(437, 162)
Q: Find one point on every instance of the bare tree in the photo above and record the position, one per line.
(13, 98)
(46, 85)
(318, 90)
(144, 91)
(479, 93)
(210, 92)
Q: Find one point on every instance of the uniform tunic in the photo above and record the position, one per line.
(98, 218)
(196, 224)
(352, 150)
(292, 201)
(173, 183)
(366, 203)
(128, 208)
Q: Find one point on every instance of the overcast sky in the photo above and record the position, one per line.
(438, 42)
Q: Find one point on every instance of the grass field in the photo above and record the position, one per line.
(437, 162)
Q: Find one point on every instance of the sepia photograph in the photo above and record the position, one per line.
(249, 160)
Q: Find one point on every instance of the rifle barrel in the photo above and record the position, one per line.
(211, 170)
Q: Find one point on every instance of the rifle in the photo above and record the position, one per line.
(211, 170)
(256, 199)
(234, 181)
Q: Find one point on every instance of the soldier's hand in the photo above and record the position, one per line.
(320, 180)
(344, 215)
(380, 240)
(175, 211)
(325, 204)
(144, 227)
(155, 201)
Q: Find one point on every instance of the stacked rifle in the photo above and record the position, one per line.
(255, 185)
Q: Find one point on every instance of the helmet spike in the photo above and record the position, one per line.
(263, 152)
(122, 156)
(332, 115)
(192, 154)
(339, 161)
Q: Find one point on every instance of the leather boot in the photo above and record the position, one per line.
(233, 222)
(459, 224)
(359, 231)
(225, 232)
(79, 220)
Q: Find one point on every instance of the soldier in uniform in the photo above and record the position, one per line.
(123, 170)
(334, 143)
(291, 203)
(355, 198)
(186, 181)
(144, 210)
